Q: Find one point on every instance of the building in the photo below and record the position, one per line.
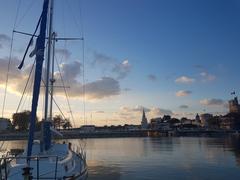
(87, 128)
(204, 118)
(159, 124)
(234, 107)
(231, 121)
(144, 122)
(5, 124)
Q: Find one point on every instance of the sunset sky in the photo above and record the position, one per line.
(176, 57)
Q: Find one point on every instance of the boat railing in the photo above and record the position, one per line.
(7, 161)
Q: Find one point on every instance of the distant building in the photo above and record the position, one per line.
(197, 119)
(144, 123)
(5, 124)
(234, 107)
(204, 119)
(159, 124)
(87, 128)
(231, 121)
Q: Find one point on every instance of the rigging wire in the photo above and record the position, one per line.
(9, 59)
(25, 13)
(83, 54)
(25, 88)
(66, 94)
(55, 102)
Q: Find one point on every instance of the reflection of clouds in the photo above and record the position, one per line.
(165, 157)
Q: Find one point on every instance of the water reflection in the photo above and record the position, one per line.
(160, 158)
(99, 171)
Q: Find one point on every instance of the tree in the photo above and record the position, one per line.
(67, 124)
(21, 120)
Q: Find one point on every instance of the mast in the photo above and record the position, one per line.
(52, 80)
(40, 46)
(46, 134)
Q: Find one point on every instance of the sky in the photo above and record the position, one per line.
(175, 57)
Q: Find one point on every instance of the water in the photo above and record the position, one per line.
(161, 158)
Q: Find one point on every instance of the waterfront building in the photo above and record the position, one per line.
(231, 121)
(5, 124)
(159, 124)
(197, 119)
(87, 128)
(204, 118)
(144, 122)
(234, 107)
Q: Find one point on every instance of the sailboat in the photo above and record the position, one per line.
(44, 159)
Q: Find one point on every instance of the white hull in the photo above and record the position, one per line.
(59, 163)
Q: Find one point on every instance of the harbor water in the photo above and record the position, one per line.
(159, 158)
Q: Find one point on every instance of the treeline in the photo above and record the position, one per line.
(20, 121)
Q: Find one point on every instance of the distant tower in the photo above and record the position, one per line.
(234, 106)
(144, 123)
(197, 119)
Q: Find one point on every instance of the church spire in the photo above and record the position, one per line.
(144, 123)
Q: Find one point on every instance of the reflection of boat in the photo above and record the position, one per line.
(44, 159)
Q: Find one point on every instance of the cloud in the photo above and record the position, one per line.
(135, 113)
(122, 69)
(104, 87)
(182, 93)
(4, 39)
(70, 71)
(212, 102)
(99, 112)
(185, 80)
(64, 53)
(101, 88)
(183, 107)
(102, 59)
(152, 77)
(207, 77)
(137, 108)
(160, 112)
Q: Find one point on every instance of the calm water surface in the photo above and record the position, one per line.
(161, 158)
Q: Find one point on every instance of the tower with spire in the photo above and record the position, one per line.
(144, 123)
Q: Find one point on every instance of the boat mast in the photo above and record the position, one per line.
(46, 134)
(40, 46)
(48, 58)
(52, 80)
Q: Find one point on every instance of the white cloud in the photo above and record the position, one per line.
(155, 112)
(207, 77)
(185, 80)
(212, 102)
(182, 93)
(137, 108)
(101, 88)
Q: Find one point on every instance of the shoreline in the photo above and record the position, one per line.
(76, 134)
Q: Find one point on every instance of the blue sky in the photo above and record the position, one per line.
(170, 56)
